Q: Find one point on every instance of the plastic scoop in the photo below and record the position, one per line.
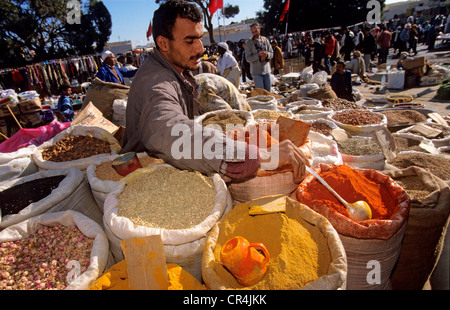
(359, 211)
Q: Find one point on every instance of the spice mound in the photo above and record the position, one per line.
(437, 165)
(75, 147)
(105, 171)
(352, 185)
(269, 114)
(338, 104)
(116, 278)
(16, 198)
(167, 198)
(396, 117)
(299, 253)
(357, 118)
(39, 262)
(414, 187)
(359, 146)
(321, 127)
(224, 119)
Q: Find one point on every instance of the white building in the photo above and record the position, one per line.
(417, 8)
(233, 32)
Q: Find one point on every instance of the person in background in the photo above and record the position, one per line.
(162, 99)
(110, 72)
(404, 38)
(396, 41)
(341, 82)
(413, 39)
(313, 55)
(277, 61)
(384, 41)
(245, 65)
(227, 65)
(368, 47)
(258, 53)
(65, 103)
(347, 43)
(357, 65)
(129, 63)
(330, 44)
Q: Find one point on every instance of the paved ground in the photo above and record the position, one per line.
(425, 95)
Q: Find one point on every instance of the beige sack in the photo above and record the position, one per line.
(102, 95)
(425, 231)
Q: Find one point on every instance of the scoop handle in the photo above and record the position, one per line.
(311, 170)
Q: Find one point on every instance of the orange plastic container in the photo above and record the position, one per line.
(246, 261)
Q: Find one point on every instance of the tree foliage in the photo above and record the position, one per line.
(313, 14)
(37, 30)
(230, 11)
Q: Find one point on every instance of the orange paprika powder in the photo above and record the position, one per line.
(352, 185)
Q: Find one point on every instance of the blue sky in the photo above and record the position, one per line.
(130, 18)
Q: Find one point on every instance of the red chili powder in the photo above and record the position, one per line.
(352, 186)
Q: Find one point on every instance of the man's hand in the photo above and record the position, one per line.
(285, 154)
(263, 55)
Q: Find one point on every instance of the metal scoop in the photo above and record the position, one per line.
(359, 211)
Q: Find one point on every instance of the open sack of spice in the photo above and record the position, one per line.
(271, 180)
(46, 191)
(377, 239)
(76, 147)
(103, 178)
(225, 119)
(304, 250)
(61, 250)
(179, 205)
(427, 224)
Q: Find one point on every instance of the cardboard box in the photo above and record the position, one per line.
(430, 80)
(31, 105)
(91, 116)
(5, 112)
(417, 62)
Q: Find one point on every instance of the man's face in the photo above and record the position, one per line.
(111, 60)
(255, 31)
(184, 52)
(340, 68)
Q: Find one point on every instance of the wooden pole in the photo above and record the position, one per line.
(7, 105)
(3, 135)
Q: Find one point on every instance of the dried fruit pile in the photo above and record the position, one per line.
(40, 261)
(75, 147)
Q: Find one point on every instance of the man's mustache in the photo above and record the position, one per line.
(197, 56)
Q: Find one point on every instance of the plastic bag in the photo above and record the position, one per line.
(320, 78)
(307, 74)
(32, 136)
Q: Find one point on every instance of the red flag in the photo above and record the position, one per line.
(149, 31)
(214, 5)
(286, 9)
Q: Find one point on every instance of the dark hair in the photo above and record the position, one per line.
(165, 16)
(340, 63)
(130, 59)
(64, 87)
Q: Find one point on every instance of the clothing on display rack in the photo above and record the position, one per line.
(46, 77)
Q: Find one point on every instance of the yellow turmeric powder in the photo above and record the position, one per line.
(116, 278)
(298, 251)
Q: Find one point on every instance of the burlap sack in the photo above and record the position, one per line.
(102, 95)
(425, 230)
(335, 279)
(324, 92)
(372, 246)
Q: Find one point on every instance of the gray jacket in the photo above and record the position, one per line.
(251, 55)
(160, 98)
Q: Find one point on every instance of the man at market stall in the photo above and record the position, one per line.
(161, 107)
(227, 65)
(341, 82)
(258, 53)
(110, 72)
(277, 61)
(65, 103)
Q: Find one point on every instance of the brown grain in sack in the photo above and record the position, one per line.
(424, 235)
